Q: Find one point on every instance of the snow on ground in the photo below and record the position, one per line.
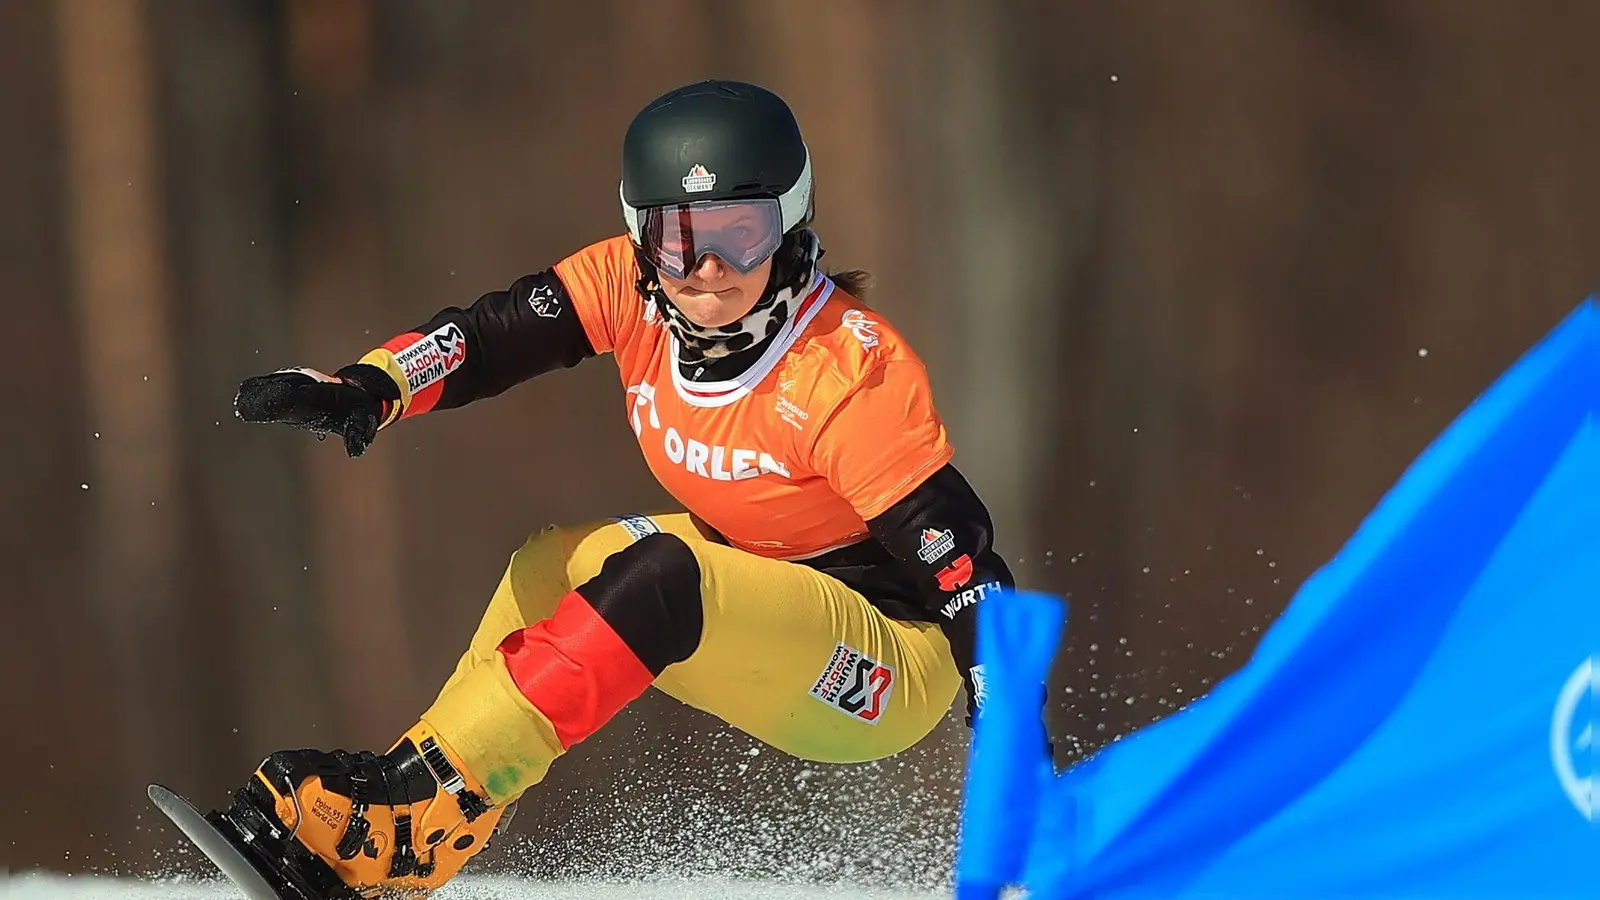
(707, 815)
(49, 886)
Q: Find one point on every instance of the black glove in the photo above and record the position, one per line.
(351, 403)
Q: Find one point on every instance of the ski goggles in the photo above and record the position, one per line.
(742, 233)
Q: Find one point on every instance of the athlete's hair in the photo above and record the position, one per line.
(855, 282)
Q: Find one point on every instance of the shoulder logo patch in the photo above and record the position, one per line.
(861, 327)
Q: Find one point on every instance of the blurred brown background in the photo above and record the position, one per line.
(1196, 281)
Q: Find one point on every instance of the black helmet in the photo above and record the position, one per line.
(710, 144)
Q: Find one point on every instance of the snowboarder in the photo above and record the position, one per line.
(818, 591)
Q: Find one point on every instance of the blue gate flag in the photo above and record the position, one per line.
(1009, 759)
(1420, 722)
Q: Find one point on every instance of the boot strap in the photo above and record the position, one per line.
(450, 779)
(355, 834)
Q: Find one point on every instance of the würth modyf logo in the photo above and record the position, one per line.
(855, 684)
(1573, 742)
(432, 357)
(452, 346)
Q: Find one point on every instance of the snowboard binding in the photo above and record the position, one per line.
(266, 862)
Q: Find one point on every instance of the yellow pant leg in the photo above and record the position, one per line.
(479, 713)
(772, 631)
(798, 660)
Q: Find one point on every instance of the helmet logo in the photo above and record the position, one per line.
(699, 180)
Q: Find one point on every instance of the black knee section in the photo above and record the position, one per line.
(649, 593)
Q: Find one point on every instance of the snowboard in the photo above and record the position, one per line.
(249, 863)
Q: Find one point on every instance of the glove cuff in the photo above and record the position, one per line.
(378, 383)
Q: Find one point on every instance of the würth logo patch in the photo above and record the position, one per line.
(855, 684)
(955, 576)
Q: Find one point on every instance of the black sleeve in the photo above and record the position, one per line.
(502, 339)
(942, 532)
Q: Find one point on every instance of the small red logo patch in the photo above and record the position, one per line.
(452, 346)
(955, 575)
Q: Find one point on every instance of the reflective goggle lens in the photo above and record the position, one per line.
(742, 233)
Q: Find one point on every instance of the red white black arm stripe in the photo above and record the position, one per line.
(504, 338)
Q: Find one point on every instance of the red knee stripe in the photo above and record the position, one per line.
(574, 668)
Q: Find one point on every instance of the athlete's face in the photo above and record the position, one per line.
(714, 293)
